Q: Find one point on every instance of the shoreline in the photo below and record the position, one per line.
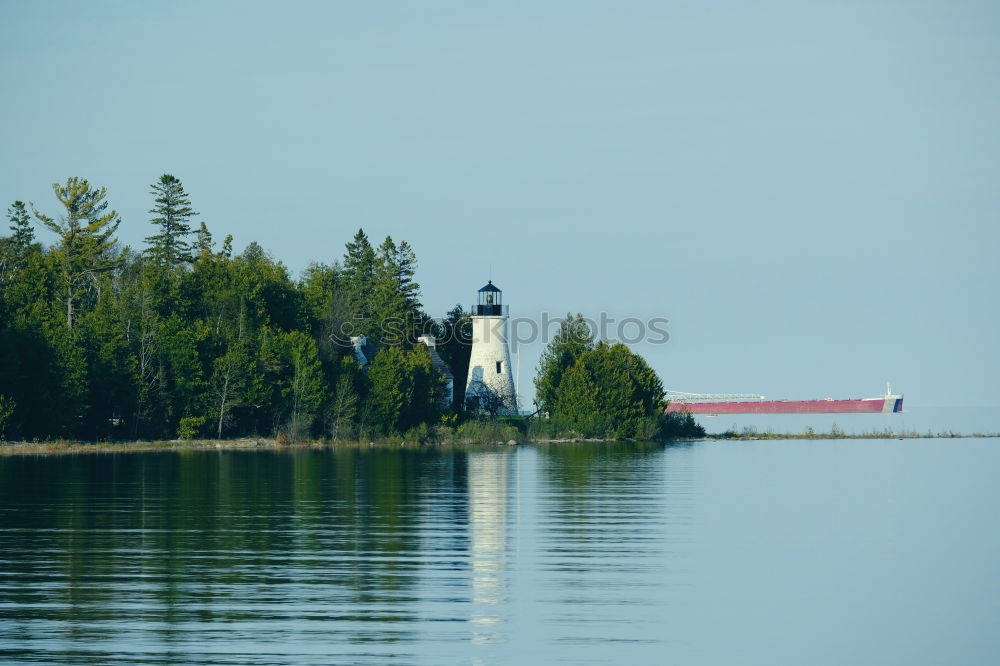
(245, 444)
(63, 447)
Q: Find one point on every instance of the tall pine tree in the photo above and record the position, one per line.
(359, 280)
(14, 248)
(85, 231)
(203, 242)
(20, 224)
(395, 299)
(172, 213)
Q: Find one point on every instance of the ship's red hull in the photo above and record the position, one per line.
(886, 405)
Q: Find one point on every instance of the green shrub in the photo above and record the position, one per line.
(189, 426)
(443, 433)
(419, 434)
(487, 432)
(543, 429)
(648, 428)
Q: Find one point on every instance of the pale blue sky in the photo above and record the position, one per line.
(809, 191)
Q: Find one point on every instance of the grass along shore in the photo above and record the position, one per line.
(253, 444)
(488, 438)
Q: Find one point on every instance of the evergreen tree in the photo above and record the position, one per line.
(184, 362)
(85, 233)
(575, 405)
(569, 343)
(405, 389)
(609, 392)
(266, 290)
(359, 279)
(203, 242)
(317, 287)
(396, 307)
(388, 305)
(389, 389)
(404, 268)
(23, 235)
(426, 393)
(172, 213)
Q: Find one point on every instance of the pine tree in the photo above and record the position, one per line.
(359, 262)
(227, 247)
(405, 267)
(576, 401)
(173, 211)
(389, 389)
(15, 248)
(85, 238)
(395, 299)
(359, 279)
(388, 305)
(316, 288)
(203, 242)
(20, 224)
(359, 272)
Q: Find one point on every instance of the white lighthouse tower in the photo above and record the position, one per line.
(490, 386)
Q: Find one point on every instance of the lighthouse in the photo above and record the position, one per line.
(490, 386)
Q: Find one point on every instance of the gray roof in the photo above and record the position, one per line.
(439, 363)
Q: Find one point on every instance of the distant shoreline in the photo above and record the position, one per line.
(268, 444)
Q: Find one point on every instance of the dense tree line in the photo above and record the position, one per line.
(184, 338)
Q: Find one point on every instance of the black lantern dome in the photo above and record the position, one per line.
(490, 302)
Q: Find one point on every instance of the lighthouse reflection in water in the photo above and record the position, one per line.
(488, 543)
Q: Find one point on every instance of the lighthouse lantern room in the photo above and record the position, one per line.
(490, 301)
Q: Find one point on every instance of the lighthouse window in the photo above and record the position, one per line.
(498, 367)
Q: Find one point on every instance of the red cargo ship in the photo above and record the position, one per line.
(756, 404)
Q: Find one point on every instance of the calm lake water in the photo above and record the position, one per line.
(793, 552)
